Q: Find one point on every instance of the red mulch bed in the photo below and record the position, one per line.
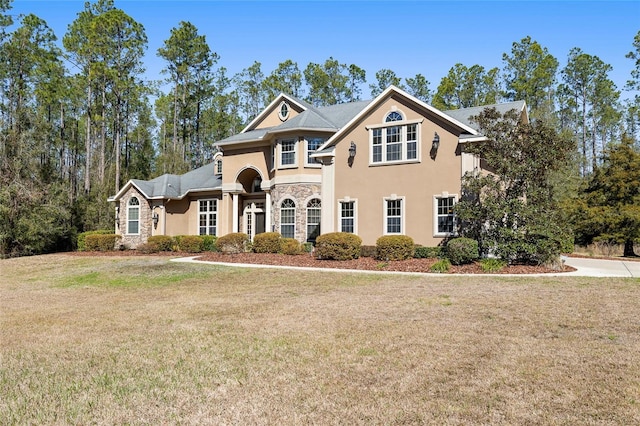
(362, 263)
(367, 263)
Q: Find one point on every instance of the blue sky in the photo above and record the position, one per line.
(408, 37)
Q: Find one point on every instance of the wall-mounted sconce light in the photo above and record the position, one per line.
(436, 141)
(155, 219)
(352, 150)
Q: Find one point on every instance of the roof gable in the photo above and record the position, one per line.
(390, 91)
(298, 105)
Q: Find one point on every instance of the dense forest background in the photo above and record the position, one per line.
(77, 122)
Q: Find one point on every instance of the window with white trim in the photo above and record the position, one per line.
(133, 216)
(314, 211)
(347, 216)
(218, 166)
(311, 145)
(207, 217)
(288, 152)
(394, 143)
(288, 218)
(393, 215)
(444, 216)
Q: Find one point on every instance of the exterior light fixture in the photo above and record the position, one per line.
(155, 219)
(436, 141)
(352, 150)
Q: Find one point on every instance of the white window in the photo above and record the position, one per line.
(208, 217)
(218, 166)
(288, 152)
(312, 144)
(347, 216)
(313, 219)
(288, 219)
(444, 218)
(133, 216)
(395, 141)
(393, 215)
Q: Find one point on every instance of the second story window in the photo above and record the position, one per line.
(395, 141)
(288, 152)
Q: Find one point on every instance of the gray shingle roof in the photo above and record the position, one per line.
(464, 115)
(177, 186)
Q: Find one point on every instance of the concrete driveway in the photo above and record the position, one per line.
(587, 267)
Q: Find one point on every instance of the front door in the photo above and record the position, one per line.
(253, 217)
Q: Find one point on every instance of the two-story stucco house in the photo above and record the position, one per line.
(391, 165)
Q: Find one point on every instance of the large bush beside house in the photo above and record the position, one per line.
(191, 244)
(158, 243)
(83, 235)
(209, 242)
(462, 250)
(236, 242)
(395, 247)
(290, 246)
(267, 242)
(101, 242)
(338, 246)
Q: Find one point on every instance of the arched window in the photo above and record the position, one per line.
(313, 219)
(288, 219)
(133, 216)
(393, 116)
(218, 166)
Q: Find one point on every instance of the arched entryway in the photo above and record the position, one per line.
(254, 216)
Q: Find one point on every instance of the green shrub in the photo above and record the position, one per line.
(338, 246)
(462, 250)
(158, 243)
(209, 242)
(83, 235)
(441, 266)
(191, 244)
(492, 265)
(394, 247)
(147, 248)
(236, 242)
(307, 247)
(267, 242)
(422, 252)
(290, 246)
(368, 251)
(101, 242)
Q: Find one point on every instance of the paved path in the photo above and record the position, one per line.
(586, 267)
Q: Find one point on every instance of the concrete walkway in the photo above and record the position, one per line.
(585, 267)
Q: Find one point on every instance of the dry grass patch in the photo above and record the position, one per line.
(142, 340)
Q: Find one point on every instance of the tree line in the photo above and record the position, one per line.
(78, 120)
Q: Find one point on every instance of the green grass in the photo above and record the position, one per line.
(141, 340)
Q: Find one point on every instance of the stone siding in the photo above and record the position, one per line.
(146, 224)
(300, 194)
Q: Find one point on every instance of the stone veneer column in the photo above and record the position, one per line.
(300, 194)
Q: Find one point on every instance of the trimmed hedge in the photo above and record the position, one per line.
(267, 242)
(209, 242)
(338, 246)
(462, 250)
(191, 244)
(422, 252)
(395, 247)
(158, 243)
(290, 246)
(83, 235)
(101, 242)
(236, 242)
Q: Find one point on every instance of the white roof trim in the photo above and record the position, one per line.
(125, 188)
(383, 96)
(266, 111)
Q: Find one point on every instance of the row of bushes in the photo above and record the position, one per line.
(333, 246)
